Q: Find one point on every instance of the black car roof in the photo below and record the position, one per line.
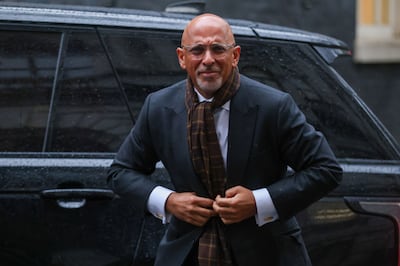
(101, 16)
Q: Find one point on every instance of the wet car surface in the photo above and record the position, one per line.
(72, 81)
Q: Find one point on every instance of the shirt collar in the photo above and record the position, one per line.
(225, 106)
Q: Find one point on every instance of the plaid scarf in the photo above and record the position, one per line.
(209, 165)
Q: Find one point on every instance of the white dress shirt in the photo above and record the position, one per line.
(266, 211)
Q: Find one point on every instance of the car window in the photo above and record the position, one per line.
(89, 114)
(295, 68)
(146, 61)
(59, 93)
(27, 68)
(80, 90)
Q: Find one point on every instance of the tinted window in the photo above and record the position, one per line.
(27, 68)
(89, 114)
(296, 69)
(145, 61)
(86, 111)
(58, 93)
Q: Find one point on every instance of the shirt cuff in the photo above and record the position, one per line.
(266, 211)
(156, 203)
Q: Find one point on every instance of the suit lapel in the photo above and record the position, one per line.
(241, 131)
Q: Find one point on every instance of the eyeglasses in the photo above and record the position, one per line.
(218, 50)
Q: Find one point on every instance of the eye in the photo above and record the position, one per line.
(218, 48)
(197, 50)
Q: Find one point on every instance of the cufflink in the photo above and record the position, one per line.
(159, 216)
(268, 219)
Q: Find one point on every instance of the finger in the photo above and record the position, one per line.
(206, 213)
(223, 202)
(231, 192)
(204, 202)
(203, 207)
(196, 218)
(202, 216)
(223, 212)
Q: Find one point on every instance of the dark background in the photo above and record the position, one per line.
(377, 84)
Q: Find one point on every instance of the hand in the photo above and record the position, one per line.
(190, 208)
(237, 205)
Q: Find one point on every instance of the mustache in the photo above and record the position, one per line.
(211, 68)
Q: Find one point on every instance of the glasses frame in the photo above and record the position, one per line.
(189, 49)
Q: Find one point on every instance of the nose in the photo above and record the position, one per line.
(208, 58)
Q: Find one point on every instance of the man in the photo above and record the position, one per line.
(226, 142)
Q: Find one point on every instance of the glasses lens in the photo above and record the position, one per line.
(197, 50)
(217, 48)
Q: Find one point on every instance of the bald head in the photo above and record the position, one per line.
(207, 23)
(208, 53)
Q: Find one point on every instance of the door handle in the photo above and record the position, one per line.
(88, 193)
(74, 198)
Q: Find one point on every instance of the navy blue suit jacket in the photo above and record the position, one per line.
(267, 133)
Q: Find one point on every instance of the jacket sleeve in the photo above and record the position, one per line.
(306, 151)
(129, 174)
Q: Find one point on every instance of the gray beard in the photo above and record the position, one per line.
(210, 86)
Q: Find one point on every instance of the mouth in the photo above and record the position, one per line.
(209, 74)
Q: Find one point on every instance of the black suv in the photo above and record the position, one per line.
(72, 81)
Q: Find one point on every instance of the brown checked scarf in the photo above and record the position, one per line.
(209, 165)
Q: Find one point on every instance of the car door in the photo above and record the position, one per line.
(64, 114)
(356, 224)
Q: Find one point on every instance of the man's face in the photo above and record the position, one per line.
(208, 54)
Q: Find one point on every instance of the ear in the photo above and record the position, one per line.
(236, 55)
(181, 57)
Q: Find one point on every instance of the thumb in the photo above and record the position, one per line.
(231, 192)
